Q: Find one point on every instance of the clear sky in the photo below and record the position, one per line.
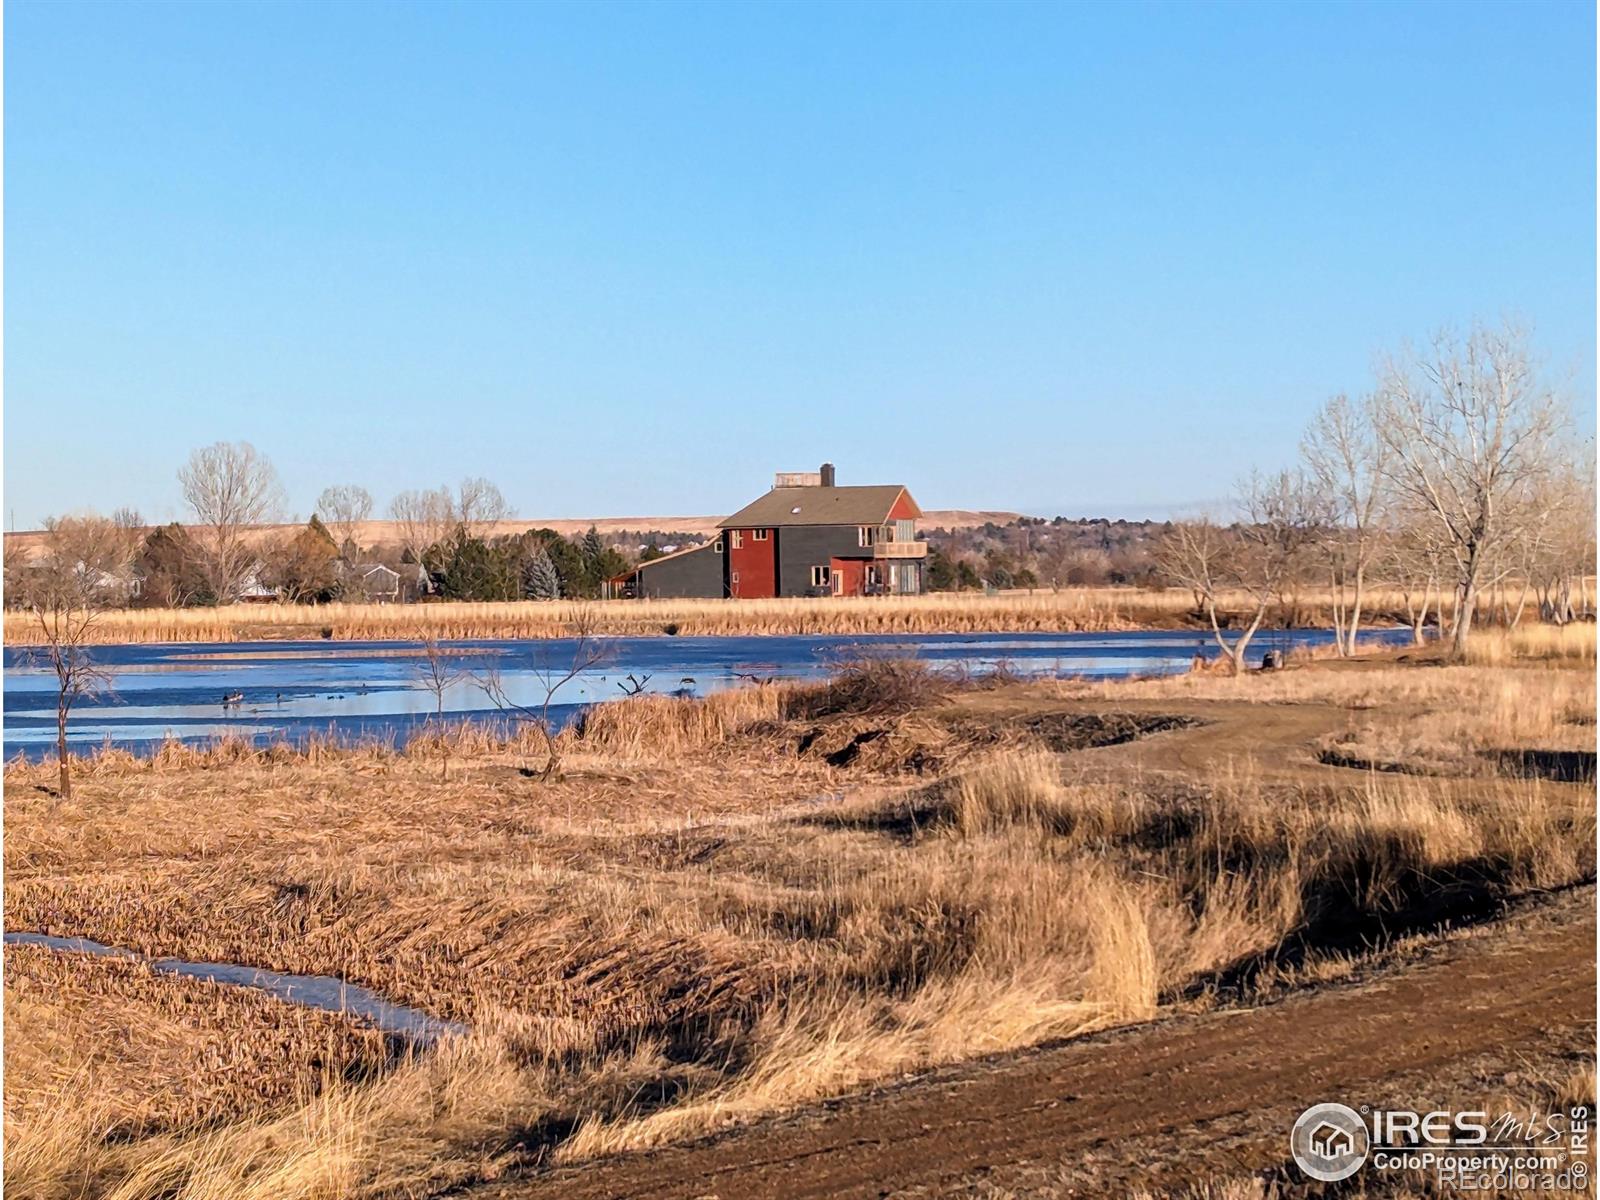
(631, 259)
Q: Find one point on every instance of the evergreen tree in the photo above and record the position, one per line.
(169, 569)
(468, 568)
(941, 572)
(592, 550)
(540, 581)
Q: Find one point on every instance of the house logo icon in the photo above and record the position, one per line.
(1329, 1142)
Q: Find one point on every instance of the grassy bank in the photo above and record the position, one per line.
(1072, 609)
(726, 907)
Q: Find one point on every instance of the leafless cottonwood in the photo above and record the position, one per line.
(1565, 558)
(478, 506)
(556, 663)
(1260, 558)
(229, 486)
(1196, 555)
(1471, 429)
(1411, 555)
(344, 508)
(437, 670)
(81, 572)
(423, 519)
(130, 519)
(1347, 462)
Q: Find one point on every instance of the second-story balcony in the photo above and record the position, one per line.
(883, 549)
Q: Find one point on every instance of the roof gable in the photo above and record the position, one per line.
(861, 505)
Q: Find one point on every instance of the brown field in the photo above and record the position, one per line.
(730, 907)
(387, 533)
(1069, 610)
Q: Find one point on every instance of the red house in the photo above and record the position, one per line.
(806, 537)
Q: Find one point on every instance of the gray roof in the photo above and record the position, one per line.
(867, 505)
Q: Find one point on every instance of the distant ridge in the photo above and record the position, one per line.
(374, 533)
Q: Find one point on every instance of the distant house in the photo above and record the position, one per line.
(379, 584)
(806, 537)
(383, 583)
(251, 590)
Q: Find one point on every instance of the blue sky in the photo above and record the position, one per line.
(631, 259)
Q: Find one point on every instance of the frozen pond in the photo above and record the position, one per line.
(287, 690)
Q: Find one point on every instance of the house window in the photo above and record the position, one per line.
(865, 535)
(838, 583)
(716, 546)
(738, 539)
(821, 577)
(760, 535)
(733, 577)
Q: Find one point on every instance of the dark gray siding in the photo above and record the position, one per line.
(801, 547)
(698, 573)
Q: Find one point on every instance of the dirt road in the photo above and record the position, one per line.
(1187, 1098)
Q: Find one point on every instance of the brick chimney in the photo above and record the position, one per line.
(827, 474)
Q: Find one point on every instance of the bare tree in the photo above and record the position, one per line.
(229, 487)
(130, 519)
(478, 506)
(1347, 461)
(1470, 429)
(438, 672)
(1561, 558)
(1195, 555)
(423, 517)
(344, 508)
(82, 571)
(554, 667)
(1260, 558)
(17, 565)
(1411, 553)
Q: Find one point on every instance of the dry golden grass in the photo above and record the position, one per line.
(193, 1053)
(699, 924)
(1071, 609)
(1572, 644)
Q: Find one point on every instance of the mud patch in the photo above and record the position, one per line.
(1560, 766)
(1344, 756)
(1065, 732)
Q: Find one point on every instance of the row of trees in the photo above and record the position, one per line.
(1460, 474)
(1031, 552)
(222, 555)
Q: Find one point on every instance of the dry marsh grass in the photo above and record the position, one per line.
(1068, 610)
(196, 1053)
(699, 924)
(1566, 645)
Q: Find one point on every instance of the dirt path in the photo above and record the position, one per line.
(1186, 1098)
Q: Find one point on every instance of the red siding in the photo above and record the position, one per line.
(752, 565)
(852, 572)
(904, 508)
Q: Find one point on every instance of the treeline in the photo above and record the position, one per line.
(1459, 481)
(166, 568)
(1033, 552)
(447, 543)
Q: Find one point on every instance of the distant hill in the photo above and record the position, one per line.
(375, 533)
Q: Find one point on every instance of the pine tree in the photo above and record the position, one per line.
(540, 580)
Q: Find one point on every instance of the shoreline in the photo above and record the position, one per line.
(1077, 610)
